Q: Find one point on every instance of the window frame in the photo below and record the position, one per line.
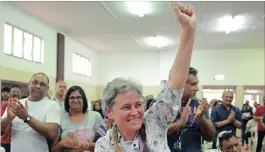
(74, 64)
(23, 44)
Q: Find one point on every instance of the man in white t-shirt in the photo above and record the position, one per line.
(33, 119)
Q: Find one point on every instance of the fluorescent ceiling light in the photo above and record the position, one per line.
(139, 8)
(219, 77)
(157, 41)
(230, 23)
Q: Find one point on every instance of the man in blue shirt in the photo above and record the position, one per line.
(226, 117)
(192, 122)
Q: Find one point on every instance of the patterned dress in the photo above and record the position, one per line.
(156, 122)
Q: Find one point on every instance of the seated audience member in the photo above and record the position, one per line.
(5, 138)
(32, 119)
(133, 129)
(228, 142)
(97, 107)
(78, 125)
(192, 122)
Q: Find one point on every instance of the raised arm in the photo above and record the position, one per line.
(180, 68)
(170, 94)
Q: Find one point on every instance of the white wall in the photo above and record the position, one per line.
(26, 22)
(241, 67)
(143, 67)
(71, 46)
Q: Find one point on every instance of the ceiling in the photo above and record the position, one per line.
(109, 27)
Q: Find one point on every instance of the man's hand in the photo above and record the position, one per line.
(11, 112)
(185, 114)
(185, 15)
(231, 116)
(108, 123)
(203, 106)
(20, 110)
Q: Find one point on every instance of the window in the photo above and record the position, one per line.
(81, 65)
(8, 39)
(22, 44)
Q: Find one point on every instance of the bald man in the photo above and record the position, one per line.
(60, 92)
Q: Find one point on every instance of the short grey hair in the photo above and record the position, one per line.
(119, 85)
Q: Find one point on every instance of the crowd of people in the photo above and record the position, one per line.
(125, 120)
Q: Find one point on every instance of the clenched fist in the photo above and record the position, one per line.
(185, 15)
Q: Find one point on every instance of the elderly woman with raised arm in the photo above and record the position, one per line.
(135, 130)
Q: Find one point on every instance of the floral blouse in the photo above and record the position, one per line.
(156, 121)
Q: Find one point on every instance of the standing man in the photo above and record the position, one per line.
(193, 120)
(32, 119)
(60, 92)
(260, 111)
(226, 117)
(6, 138)
(15, 92)
(247, 114)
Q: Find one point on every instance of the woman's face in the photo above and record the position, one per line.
(76, 101)
(97, 106)
(127, 111)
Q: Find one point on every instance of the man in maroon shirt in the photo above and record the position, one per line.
(260, 111)
(6, 138)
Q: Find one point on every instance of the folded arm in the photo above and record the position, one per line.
(48, 129)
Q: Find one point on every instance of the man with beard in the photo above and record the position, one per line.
(6, 138)
(33, 118)
(193, 121)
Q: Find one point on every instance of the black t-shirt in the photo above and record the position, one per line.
(188, 137)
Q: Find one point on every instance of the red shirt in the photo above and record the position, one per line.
(6, 138)
(260, 111)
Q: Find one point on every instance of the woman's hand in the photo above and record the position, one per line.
(70, 143)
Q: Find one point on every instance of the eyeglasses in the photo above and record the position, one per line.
(77, 98)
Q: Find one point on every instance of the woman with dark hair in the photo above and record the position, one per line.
(78, 125)
(97, 107)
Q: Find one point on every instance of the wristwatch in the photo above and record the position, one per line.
(27, 120)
